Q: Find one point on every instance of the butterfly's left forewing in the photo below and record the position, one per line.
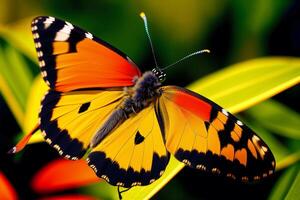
(86, 77)
(71, 58)
(205, 136)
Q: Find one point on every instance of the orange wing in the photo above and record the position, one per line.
(205, 136)
(71, 58)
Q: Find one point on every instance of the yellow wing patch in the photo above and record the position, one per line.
(132, 154)
(216, 142)
(69, 120)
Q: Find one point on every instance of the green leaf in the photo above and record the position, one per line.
(235, 88)
(250, 28)
(277, 118)
(15, 79)
(190, 25)
(15, 73)
(19, 36)
(289, 160)
(102, 190)
(37, 92)
(294, 192)
(281, 187)
(244, 84)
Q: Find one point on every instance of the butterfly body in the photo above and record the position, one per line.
(141, 95)
(129, 123)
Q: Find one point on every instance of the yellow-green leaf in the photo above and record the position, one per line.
(15, 75)
(15, 79)
(35, 96)
(235, 88)
(283, 184)
(247, 83)
(19, 36)
(294, 192)
(277, 118)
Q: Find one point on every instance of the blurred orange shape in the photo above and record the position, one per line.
(69, 197)
(7, 191)
(62, 175)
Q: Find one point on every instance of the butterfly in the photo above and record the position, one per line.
(125, 122)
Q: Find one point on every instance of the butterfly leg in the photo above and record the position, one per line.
(120, 192)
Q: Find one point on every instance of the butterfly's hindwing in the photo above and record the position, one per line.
(204, 136)
(69, 120)
(72, 59)
(133, 154)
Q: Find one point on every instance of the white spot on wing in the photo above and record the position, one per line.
(239, 123)
(64, 33)
(40, 53)
(34, 28)
(255, 138)
(265, 149)
(70, 25)
(132, 61)
(152, 180)
(47, 82)
(43, 132)
(48, 141)
(225, 112)
(94, 168)
(60, 36)
(120, 184)
(89, 35)
(56, 147)
(48, 22)
(42, 63)
(38, 45)
(105, 177)
(36, 35)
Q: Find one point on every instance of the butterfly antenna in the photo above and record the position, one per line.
(143, 16)
(186, 57)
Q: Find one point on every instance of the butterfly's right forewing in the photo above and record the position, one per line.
(205, 136)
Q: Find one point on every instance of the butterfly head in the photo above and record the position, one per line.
(161, 76)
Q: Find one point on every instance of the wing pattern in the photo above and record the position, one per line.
(69, 120)
(205, 136)
(133, 154)
(72, 59)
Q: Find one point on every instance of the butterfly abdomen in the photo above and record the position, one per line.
(116, 118)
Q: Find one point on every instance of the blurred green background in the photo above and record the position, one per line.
(233, 30)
